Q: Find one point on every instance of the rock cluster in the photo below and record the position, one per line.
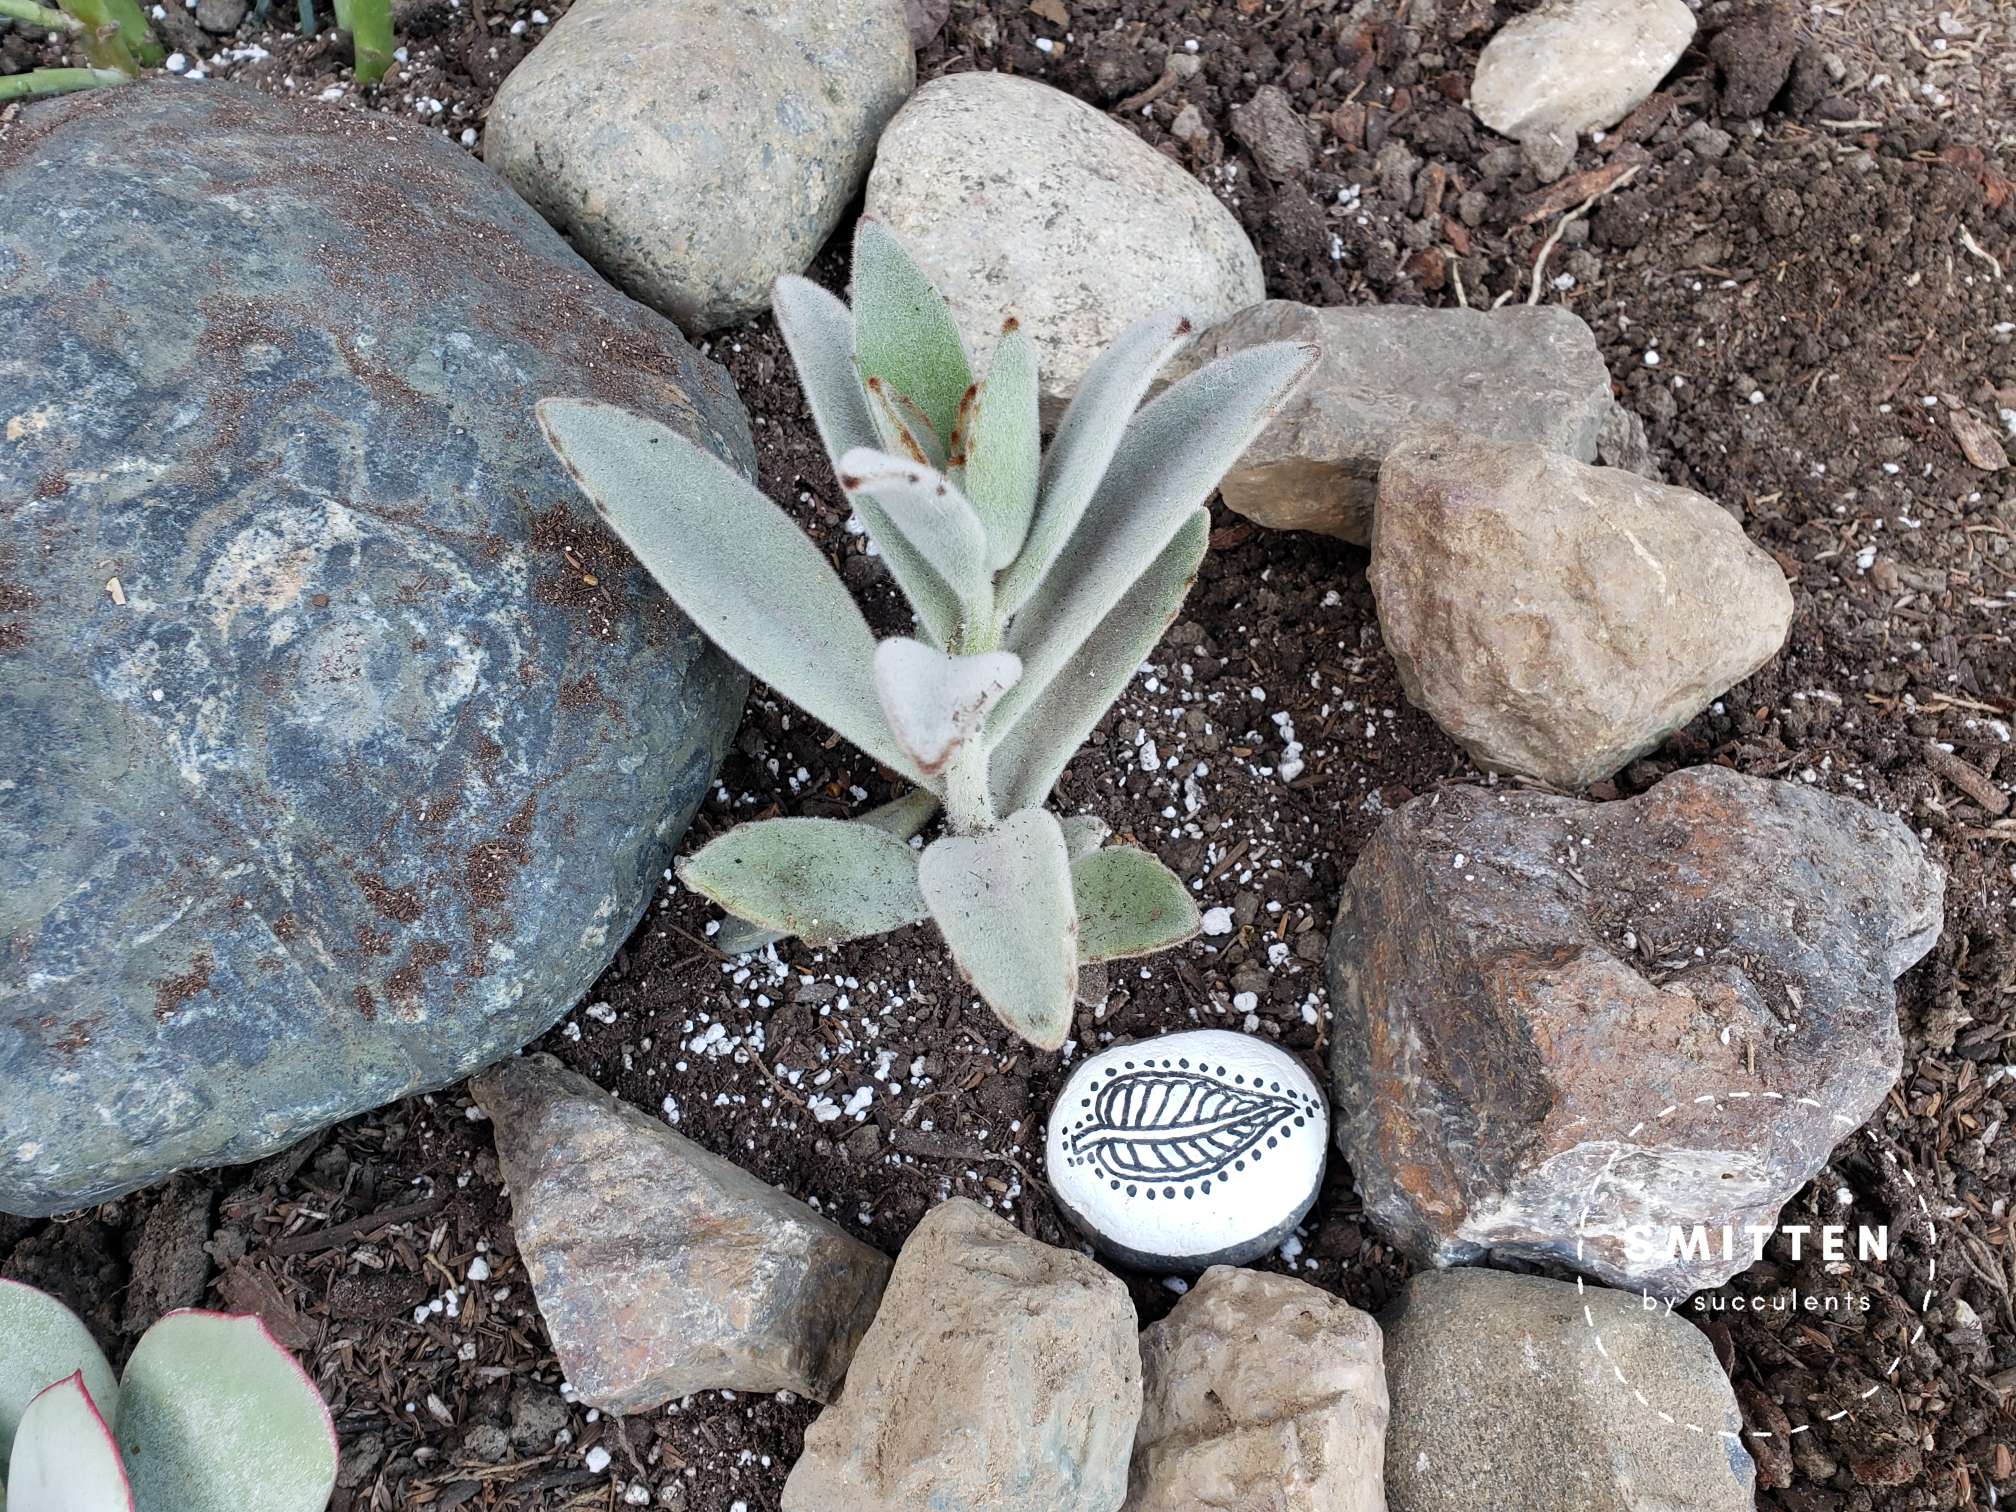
(327, 668)
(1504, 1397)
(1561, 620)
(662, 1269)
(1526, 374)
(694, 151)
(1000, 1373)
(1260, 1391)
(1018, 199)
(1564, 1028)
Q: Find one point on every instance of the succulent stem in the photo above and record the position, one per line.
(369, 23)
(54, 81)
(39, 15)
(969, 800)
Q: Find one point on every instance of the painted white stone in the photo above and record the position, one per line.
(1195, 1149)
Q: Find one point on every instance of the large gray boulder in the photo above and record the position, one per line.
(1519, 1394)
(1018, 199)
(339, 746)
(1530, 373)
(695, 150)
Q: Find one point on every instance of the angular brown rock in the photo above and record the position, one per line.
(1000, 1374)
(1558, 620)
(1524, 374)
(1663, 1011)
(1260, 1391)
(662, 1269)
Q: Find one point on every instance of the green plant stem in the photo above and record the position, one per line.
(969, 803)
(369, 23)
(40, 15)
(115, 35)
(54, 81)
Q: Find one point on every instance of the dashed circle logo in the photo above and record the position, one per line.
(1729, 1249)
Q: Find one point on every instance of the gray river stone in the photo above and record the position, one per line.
(1530, 373)
(373, 755)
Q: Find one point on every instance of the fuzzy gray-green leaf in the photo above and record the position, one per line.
(214, 1416)
(903, 330)
(903, 817)
(1129, 904)
(1169, 461)
(823, 880)
(1087, 437)
(1002, 448)
(733, 561)
(819, 330)
(1030, 754)
(64, 1459)
(1003, 901)
(41, 1342)
(931, 516)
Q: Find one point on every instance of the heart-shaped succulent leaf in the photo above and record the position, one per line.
(43, 1342)
(64, 1458)
(1002, 898)
(214, 1416)
(935, 702)
(824, 880)
(1129, 904)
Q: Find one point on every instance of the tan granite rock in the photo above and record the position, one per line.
(1558, 620)
(1504, 1401)
(1260, 1391)
(694, 150)
(1001, 1375)
(1572, 66)
(1018, 199)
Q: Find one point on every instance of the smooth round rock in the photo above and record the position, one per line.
(1196, 1149)
(696, 149)
(339, 746)
(1019, 199)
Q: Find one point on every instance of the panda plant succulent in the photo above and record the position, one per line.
(1039, 581)
(211, 1416)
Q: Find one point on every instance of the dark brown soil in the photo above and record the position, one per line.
(1822, 327)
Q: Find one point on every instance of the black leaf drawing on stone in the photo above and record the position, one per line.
(1160, 1127)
